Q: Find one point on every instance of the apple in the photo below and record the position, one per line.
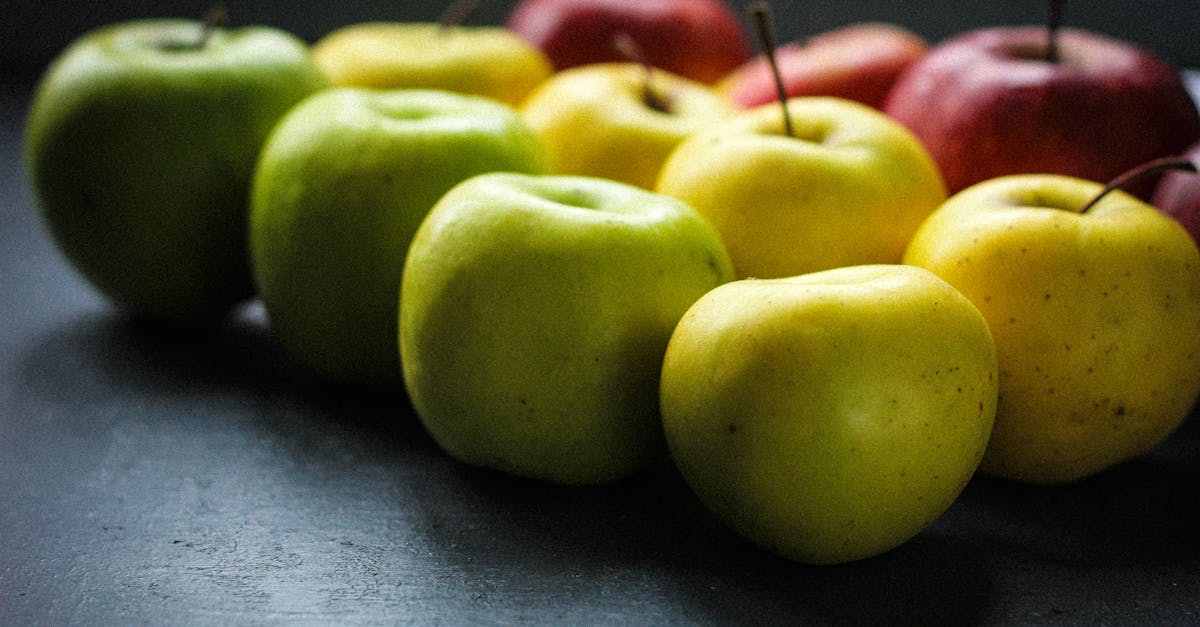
(1095, 315)
(832, 416)
(1178, 195)
(987, 103)
(482, 60)
(534, 312)
(858, 62)
(699, 39)
(340, 188)
(615, 121)
(849, 186)
(140, 144)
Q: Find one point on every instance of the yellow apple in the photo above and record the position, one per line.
(1096, 319)
(832, 416)
(611, 120)
(848, 187)
(481, 60)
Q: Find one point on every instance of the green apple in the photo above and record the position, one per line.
(341, 187)
(1096, 318)
(140, 142)
(534, 312)
(482, 60)
(848, 187)
(616, 121)
(832, 416)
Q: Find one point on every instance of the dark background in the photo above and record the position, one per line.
(150, 477)
(32, 31)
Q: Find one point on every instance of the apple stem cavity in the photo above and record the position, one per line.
(1054, 18)
(458, 13)
(1149, 168)
(760, 14)
(624, 44)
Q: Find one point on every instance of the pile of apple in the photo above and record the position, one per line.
(831, 282)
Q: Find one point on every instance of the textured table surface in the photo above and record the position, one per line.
(149, 477)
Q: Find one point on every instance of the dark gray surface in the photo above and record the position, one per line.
(152, 477)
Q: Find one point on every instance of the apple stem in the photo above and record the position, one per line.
(217, 17)
(458, 13)
(1054, 18)
(1146, 169)
(624, 44)
(760, 13)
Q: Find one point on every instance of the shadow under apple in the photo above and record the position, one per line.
(107, 354)
(1140, 514)
(648, 542)
(224, 396)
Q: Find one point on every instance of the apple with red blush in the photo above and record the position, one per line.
(1178, 195)
(1029, 99)
(858, 62)
(702, 40)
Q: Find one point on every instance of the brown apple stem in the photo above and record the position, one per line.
(458, 13)
(217, 17)
(628, 48)
(1146, 169)
(760, 14)
(1054, 18)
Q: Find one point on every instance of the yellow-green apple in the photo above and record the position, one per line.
(140, 144)
(699, 39)
(1178, 195)
(341, 186)
(988, 102)
(831, 416)
(858, 62)
(615, 121)
(1096, 318)
(848, 187)
(534, 313)
(482, 60)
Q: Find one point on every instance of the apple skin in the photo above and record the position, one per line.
(595, 120)
(830, 417)
(1096, 319)
(140, 157)
(849, 188)
(699, 39)
(1178, 195)
(985, 104)
(341, 187)
(858, 62)
(482, 60)
(534, 313)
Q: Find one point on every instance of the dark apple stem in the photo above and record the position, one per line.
(1146, 169)
(458, 13)
(628, 48)
(217, 17)
(760, 14)
(1054, 18)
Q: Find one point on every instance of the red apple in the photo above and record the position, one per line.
(1178, 195)
(988, 103)
(859, 62)
(699, 39)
